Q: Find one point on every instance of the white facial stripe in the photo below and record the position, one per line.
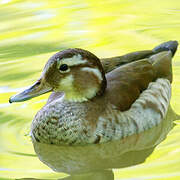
(75, 60)
(71, 94)
(94, 71)
(67, 82)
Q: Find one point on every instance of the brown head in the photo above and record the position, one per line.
(76, 72)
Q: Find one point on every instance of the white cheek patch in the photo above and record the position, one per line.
(95, 71)
(67, 82)
(75, 60)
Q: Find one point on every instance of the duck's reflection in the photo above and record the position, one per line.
(97, 161)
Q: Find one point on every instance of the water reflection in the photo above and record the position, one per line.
(97, 161)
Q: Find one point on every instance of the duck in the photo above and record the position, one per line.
(95, 101)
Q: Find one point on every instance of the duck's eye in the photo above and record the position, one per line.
(63, 67)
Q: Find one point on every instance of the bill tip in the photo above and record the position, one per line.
(10, 100)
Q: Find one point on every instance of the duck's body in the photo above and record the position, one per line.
(97, 121)
(126, 100)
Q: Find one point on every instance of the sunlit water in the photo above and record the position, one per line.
(30, 32)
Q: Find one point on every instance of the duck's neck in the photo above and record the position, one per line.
(81, 95)
(82, 88)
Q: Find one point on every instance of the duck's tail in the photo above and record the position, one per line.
(167, 46)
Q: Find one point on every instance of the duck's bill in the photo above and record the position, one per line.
(36, 89)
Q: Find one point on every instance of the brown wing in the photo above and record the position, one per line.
(127, 82)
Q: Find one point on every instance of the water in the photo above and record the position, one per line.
(30, 32)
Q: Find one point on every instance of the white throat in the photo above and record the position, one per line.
(75, 96)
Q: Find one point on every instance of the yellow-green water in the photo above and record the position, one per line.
(31, 31)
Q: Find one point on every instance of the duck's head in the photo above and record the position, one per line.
(76, 72)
